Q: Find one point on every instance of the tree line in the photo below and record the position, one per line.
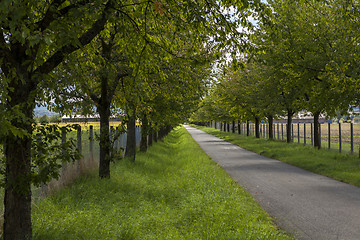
(150, 60)
(304, 57)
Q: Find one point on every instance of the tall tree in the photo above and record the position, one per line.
(35, 37)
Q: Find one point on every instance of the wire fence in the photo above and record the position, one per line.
(342, 137)
(87, 140)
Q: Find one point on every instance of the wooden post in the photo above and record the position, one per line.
(43, 187)
(319, 134)
(339, 137)
(292, 132)
(329, 136)
(352, 137)
(91, 143)
(304, 133)
(278, 132)
(63, 141)
(79, 147)
(282, 132)
(298, 132)
(312, 134)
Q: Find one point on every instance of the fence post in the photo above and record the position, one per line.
(298, 126)
(304, 133)
(274, 131)
(63, 142)
(278, 132)
(111, 136)
(282, 132)
(292, 133)
(91, 142)
(312, 134)
(352, 137)
(320, 134)
(339, 137)
(43, 187)
(329, 136)
(78, 142)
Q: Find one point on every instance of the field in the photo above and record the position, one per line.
(174, 191)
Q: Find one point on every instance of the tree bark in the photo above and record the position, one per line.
(233, 126)
(144, 134)
(155, 136)
(17, 199)
(17, 151)
(271, 124)
(131, 138)
(228, 127)
(257, 127)
(150, 138)
(104, 163)
(317, 143)
(239, 127)
(290, 114)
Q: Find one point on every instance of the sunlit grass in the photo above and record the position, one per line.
(340, 166)
(174, 191)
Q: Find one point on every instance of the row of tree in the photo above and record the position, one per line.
(305, 58)
(145, 59)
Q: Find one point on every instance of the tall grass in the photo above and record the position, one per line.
(174, 191)
(340, 166)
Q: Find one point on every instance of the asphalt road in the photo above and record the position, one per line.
(305, 204)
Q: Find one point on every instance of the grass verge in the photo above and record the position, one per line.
(174, 191)
(340, 166)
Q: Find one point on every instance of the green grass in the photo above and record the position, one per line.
(174, 191)
(340, 166)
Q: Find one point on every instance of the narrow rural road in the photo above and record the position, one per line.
(305, 204)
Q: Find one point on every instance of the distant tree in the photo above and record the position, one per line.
(44, 119)
(56, 118)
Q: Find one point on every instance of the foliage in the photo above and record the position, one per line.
(44, 119)
(49, 151)
(167, 194)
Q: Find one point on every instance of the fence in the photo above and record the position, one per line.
(342, 137)
(87, 140)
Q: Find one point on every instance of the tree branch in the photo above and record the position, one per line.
(86, 38)
(49, 15)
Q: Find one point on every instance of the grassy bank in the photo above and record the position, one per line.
(340, 166)
(174, 191)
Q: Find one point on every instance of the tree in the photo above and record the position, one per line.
(34, 39)
(297, 41)
(37, 36)
(44, 119)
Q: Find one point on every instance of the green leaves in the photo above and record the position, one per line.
(49, 151)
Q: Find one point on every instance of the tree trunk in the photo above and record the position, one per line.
(144, 134)
(150, 138)
(228, 127)
(271, 124)
(233, 126)
(104, 163)
(131, 138)
(317, 143)
(247, 128)
(290, 114)
(155, 136)
(257, 127)
(239, 127)
(17, 199)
